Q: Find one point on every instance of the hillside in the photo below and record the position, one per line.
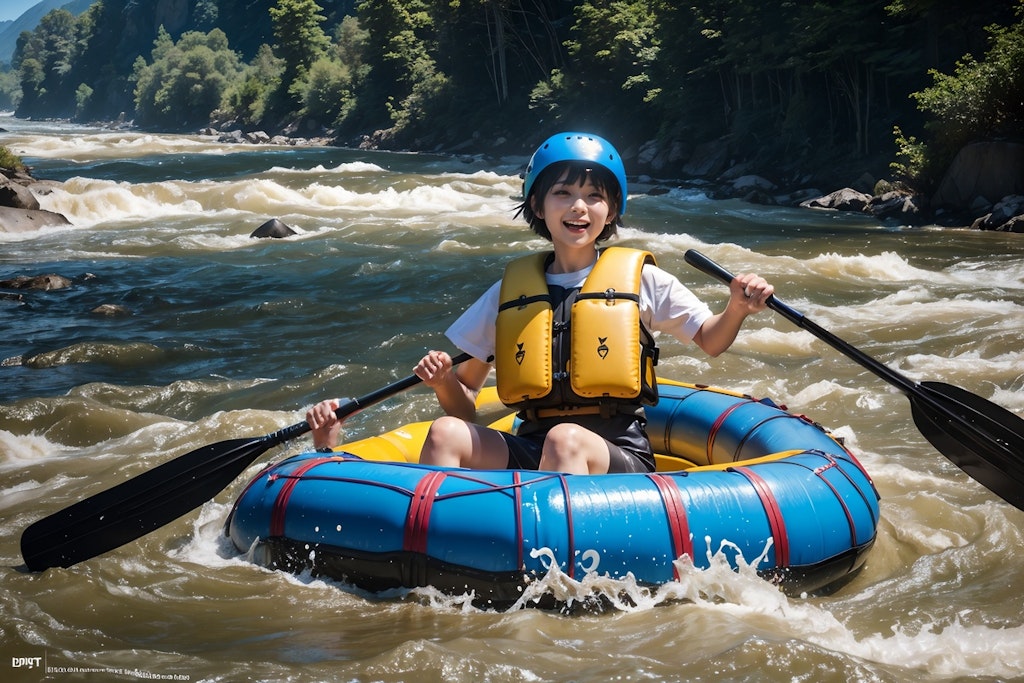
(10, 30)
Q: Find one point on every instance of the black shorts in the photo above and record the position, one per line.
(629, 449)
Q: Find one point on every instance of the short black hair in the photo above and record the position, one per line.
(576, 173)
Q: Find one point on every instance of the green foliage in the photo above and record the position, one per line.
(245, 101)
(10, 161)
(393, 47)
(44, 64)
(610, 72)
(912, 159)
(186, 80)
(10, 90)
(327, 92)
(83, 96)
(788, 84)
(980, 100)
(300, 39)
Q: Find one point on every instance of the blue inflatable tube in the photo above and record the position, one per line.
(772, 488)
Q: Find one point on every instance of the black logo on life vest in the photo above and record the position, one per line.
(602, 349)
(520, 354)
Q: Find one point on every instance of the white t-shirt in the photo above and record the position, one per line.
(666, 305)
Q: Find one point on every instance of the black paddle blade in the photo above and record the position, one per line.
(135, 507)
(983, 439)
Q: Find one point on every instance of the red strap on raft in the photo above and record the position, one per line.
(771, 507)
(417, 521)
(570, 531)
(713, 432)
(281, 502)
(517, 496)
(679, 528)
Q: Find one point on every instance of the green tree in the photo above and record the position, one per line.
(327, 95)
(245, 102)
(980, 100)
(186, 80)
(300, 39)
(44, 58)
(611, 58)
(10, 89)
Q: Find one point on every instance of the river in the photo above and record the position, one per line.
(230, 337)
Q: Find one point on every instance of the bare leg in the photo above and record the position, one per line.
(452, 442)
(572, 449)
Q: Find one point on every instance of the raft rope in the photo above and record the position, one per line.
(425, 495)
(277, 517)
(517, 496)
(771, 507)
(570, 531)
(417, 520)
(421, 499)
(675, 513)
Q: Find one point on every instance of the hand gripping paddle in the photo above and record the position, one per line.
(159, 496)
(983, 439)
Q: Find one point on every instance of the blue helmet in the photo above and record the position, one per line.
(576, 147)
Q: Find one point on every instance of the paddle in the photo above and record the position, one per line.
(159, 496)
(983, 439)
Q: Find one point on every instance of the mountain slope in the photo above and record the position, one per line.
(10, 30)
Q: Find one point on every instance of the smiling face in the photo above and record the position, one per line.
(549, 208)
(575, 213)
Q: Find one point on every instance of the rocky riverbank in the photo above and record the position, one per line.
(983, 188)
(19, 207)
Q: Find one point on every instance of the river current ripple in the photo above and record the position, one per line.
(230, 337)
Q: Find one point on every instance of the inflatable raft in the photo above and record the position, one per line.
(737, 476)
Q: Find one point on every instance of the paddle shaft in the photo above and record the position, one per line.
(159, 496)
(983, 439)
(904, 384)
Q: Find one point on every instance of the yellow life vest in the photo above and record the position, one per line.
(609, 356)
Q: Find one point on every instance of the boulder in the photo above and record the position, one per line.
(257, 137)
(647, 153)
(1015, 224)
(47, 282)
(747, 183)
(796, 197)
(899, 205)
(1007, 215)
(708, 160)
(846, 199)
(111, 310)
(760, 197)
(1009, 207)
(26, 220)
(16, 195)
(272, 228)
(985, 169)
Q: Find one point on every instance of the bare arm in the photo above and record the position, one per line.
(748, 294)
(456, 389)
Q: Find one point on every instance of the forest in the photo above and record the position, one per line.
(791, 87)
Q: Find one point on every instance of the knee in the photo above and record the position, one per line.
(444, 428)
(564, 449)
(442, 435)
(564, 438)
